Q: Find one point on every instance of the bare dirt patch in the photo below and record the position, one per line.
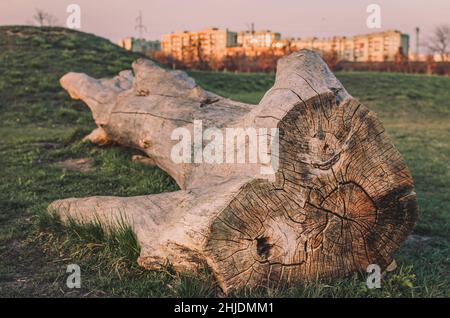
(80, 164)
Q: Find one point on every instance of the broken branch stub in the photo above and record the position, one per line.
(342, 197)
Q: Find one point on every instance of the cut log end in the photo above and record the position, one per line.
(341, 199)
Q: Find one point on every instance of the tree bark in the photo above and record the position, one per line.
(341, 199)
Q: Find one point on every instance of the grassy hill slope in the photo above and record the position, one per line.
(41, 128)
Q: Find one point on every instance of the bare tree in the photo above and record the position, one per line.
(43, 18)
(52, 20)
(439, 42)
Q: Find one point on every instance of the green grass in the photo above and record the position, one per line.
(41, 126)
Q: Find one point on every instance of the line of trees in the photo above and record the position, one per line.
(264, 62)
(267, 62)
(194, 58)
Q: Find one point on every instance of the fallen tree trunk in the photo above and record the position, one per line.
(340, 198)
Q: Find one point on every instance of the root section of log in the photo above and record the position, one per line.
(342, 197)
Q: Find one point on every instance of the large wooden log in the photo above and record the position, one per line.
(342, 197)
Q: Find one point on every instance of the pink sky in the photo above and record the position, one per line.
(115, 19)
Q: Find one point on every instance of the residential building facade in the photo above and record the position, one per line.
(374, 47)
(139, 45)
(205, 44)
(264, 38)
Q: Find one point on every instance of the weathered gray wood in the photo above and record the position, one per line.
(341, 199)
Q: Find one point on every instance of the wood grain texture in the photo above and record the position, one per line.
(341, 199)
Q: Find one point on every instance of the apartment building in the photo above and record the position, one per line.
(139, 45)
(204, 44)
(277, 48)
(258, 39)
(374, 47)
